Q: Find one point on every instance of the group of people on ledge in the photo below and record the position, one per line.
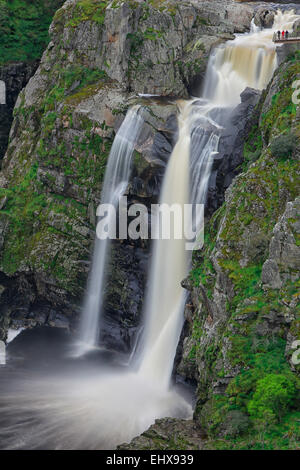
(282, 35)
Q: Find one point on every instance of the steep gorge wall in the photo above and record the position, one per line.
(237, 300)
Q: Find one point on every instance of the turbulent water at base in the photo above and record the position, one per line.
(115, 183)
(50, 402)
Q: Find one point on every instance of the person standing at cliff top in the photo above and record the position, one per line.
(278, 34)
(282, 34)
(286, 34)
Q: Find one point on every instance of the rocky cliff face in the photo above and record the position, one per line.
(100, 55)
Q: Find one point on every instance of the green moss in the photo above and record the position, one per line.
(37, 217)
(30, 233)
(135, 41)
(164, 5)
(88, 10)
(92, 10)
(244, 227)
(279, 117)
(284, 146)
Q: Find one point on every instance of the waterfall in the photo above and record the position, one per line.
(248, 61)
(186, 180)
(2, 353)
(99, 405)
(115, 183)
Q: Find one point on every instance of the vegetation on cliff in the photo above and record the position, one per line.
(24, 28)
(37, 208)
(241, 358)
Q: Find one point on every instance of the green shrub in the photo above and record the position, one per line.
(284, 146)
(273, 397)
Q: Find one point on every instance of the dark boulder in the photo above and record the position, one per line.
(230, 156)
(264, 17)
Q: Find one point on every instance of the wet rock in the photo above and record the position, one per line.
(231, 146)
(264, 18)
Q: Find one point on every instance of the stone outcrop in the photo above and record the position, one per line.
(283, 263)
(264, 18)
(242, 316)
(230, 155)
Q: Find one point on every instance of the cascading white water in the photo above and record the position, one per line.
(205, 134)
(186, 180)
(248, 61)
(165, 298)
(115, 183)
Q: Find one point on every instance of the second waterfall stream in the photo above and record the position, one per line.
(99, 409)
(115, 183)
